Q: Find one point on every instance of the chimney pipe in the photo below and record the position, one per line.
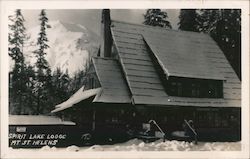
(106, 43)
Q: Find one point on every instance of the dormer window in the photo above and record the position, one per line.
(195, 89)
(198, 88)
(176, 88)
(215, 90)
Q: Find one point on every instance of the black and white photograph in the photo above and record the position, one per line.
(126, 80)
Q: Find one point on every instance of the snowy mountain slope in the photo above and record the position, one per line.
(70, 46)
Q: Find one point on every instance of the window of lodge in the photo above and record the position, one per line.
(176, 88)
(195, 89)
(201, 88)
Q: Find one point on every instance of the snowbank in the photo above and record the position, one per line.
(138, 145)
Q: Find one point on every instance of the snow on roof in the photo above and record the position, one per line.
(114, 87)
(184, 61)
(80, 95)
(37, 120)
(137, 44)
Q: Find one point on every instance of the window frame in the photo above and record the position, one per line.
(194, 88)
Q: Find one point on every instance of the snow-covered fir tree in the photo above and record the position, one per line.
(43, 83)
(17, 36)
(156, 17)
(18, 86)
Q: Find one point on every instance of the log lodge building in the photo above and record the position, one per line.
(144, 73)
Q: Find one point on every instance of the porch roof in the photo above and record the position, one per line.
(80, 95)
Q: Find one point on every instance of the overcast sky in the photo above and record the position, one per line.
(91, 18)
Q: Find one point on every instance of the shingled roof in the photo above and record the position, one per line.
(114, 87)
(184, 58)
(179, 53)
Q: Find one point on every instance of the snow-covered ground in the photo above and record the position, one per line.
(139, 145)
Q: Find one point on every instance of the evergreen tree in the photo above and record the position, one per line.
(43, 85)
(188, 20)
(77, 82)
(16, 36)
(18, 78)
(30, 100)
(208, 19)
(156, 17)
(61, 82)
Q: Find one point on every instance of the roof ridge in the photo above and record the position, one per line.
(160, 28)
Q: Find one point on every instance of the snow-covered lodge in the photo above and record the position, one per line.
(147, 73)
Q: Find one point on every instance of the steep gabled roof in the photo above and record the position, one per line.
(114, 87)
(184, 58)
(133, 41)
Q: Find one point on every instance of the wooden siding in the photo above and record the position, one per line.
(114, 87)
(143, 79)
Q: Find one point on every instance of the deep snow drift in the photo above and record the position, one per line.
(70, 46)
(138, 145)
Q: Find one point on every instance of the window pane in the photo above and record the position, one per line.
(187, 87)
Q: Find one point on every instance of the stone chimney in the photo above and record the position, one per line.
(106, 37)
